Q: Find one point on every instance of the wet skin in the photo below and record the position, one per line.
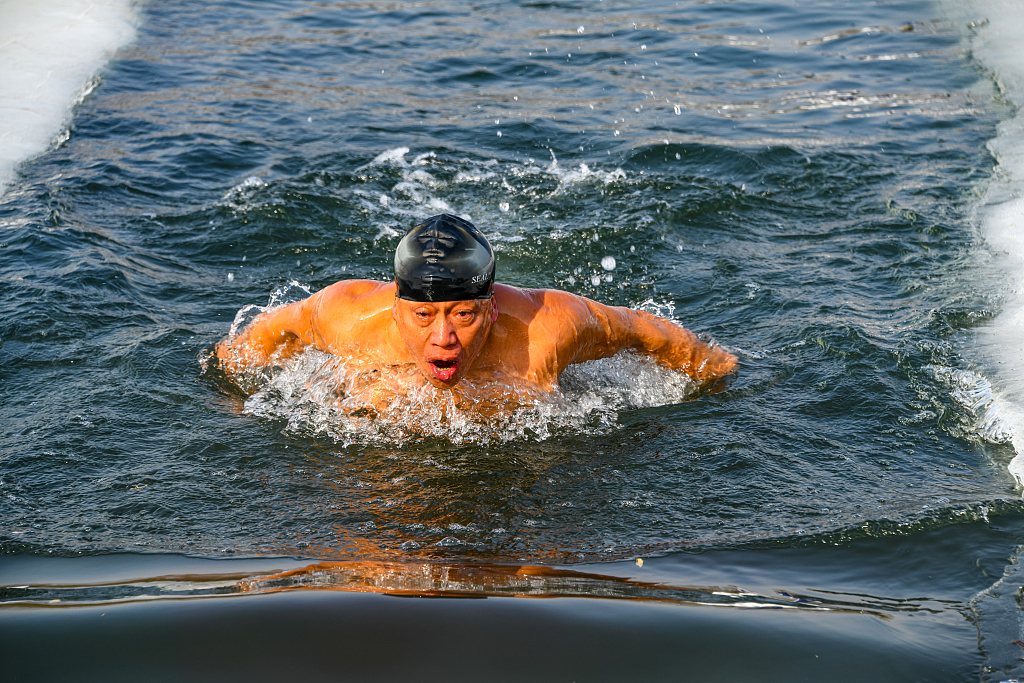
(444, 338)
(526, 336)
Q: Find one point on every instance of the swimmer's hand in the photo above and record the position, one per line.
(717, 363)
(227, 356)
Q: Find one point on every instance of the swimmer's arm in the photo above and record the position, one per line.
(601, 331)
(279, 333)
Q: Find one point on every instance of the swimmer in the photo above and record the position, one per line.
(444, 316)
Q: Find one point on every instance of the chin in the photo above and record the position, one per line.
(442, 383)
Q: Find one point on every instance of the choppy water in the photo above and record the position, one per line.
(800, 183)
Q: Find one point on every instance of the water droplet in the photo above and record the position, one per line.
(569, 54)
(309, 120)
(695, 54)
(678, 110)
(632, 249)
(616, 133)
(677, 156)
(643, 47)
(504, 207)
(298, 263)
(499, 133)
(497, 121)
(608, 263)
(571, 280)
(231, 277)
(579, 30)
(665, 141)
(515, 97)
(591, 106)
(595, 280)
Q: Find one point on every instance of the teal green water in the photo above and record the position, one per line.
(794, 182)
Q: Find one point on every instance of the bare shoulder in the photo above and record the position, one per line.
(556, 319)
(538, 305)
(354, 296)
(516, 302)
(351, 312)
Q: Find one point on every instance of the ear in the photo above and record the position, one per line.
(494, 310)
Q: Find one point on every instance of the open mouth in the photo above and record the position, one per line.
(444, 369)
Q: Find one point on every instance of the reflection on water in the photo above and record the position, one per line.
(525, 581)
(436, 580)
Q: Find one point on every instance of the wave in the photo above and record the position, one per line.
(50, 53)
(995, 29)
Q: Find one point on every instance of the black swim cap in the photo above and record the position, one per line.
(444, 258)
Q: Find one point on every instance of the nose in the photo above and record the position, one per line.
(442, 332)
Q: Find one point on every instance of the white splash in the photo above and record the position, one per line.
(430, 184)
(283, 295)
(323, 395)
(50, 53)
(973, 391)
(394, 157)
(996, 31)
(240, 197)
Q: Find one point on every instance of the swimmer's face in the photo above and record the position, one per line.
(444, 337)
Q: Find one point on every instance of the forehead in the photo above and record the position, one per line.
(442, 305)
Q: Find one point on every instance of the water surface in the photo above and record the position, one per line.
(797, 183)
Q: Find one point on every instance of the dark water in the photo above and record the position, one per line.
(794, 181)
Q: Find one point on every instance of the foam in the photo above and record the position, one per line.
(429, 185)
(322, 395)
(50, 53)
(996, 32)
(973, 392)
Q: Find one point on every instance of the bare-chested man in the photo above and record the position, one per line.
(444, 316)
